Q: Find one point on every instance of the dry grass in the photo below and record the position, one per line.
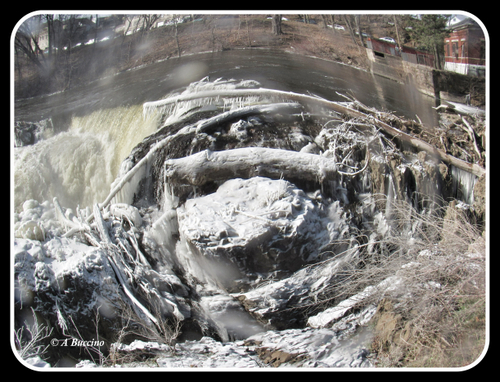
(32, 342)
(135, 327)
(432, 312)
(441, 300)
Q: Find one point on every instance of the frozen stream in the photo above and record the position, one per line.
(233, 215)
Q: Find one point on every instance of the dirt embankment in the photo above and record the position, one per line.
(453, 84)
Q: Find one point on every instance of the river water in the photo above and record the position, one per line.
(96, 126)
(278, 70)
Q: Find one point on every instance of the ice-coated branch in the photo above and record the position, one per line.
(106, 240)
(75, 226)
(198, 169)
(367, 161)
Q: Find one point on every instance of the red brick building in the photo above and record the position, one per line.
(465, 48)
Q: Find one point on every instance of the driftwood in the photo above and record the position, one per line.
(306, 99)
(124, 256)
(461, 108)
(472, 136)
(116, 263)
(335, 106)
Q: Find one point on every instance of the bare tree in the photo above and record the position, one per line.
(26, 41)
(50, 32)
(148, 21)
(128, 23)
(357, 20)
(73, 32)
(248, 31)
(323, 21)
(348, 22)
(176, 34)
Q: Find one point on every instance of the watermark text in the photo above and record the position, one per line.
(75, 342)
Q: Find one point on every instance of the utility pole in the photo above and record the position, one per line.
(397, 32)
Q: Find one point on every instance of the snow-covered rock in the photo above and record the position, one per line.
(250, 227)
(67, 283)
(310, 348)
(232, 320)
(208, 353)
(53, 266)
(292, 348)
(37, 362)
(278, 303)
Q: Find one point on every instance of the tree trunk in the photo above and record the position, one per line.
(358, 28)
(248, 31)
(438, 61)
(177, 39)
(349, 28)
(276, 24)
(397, 31)
(323, 19)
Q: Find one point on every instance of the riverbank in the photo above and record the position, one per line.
(216, 33)
(213, 34)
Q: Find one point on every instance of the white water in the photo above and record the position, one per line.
(78, 165)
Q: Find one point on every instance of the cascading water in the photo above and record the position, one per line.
(78, 165)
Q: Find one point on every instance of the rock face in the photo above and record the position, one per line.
(29, 133)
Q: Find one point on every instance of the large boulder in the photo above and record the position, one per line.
(251, 229)
(71, 287)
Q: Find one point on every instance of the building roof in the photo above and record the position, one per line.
(465, 23)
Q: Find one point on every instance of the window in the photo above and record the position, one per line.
(454, 49)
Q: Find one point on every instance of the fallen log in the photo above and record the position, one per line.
(195, 128)
(461, 108)
(199, 168)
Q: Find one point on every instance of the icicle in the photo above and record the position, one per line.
(463, 184)
(391, 192)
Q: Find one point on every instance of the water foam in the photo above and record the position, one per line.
(78, 165)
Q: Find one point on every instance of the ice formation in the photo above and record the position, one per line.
(233, 217)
